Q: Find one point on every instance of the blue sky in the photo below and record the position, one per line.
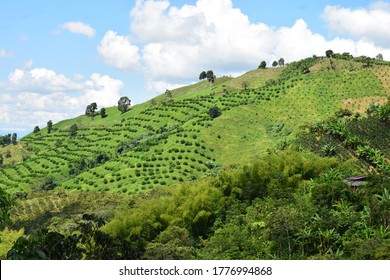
(56, 57)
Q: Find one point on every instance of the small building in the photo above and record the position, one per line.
(356, 181)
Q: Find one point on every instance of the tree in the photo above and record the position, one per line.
(36, 129)
(103, 113)
(274, 64)
(168, 93)
(379, 57)
(90, 110)
(73, 130)
(14, 138)
(244, 85)
(214, 112)
(49, 126)
(5, 204)
(1, 159)
(329, 53)
(124, 104)
(281, 62)
(262, 65)
(332, 65)
(202, 75)
(5, 140)
(210, 77)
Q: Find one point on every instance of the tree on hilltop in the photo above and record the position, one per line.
(5, 140)
(168, 93)
(281, 62)
(210, 77)
(379, 57)
(202, 75)
(103, 113)
(262, 65)
(49, 126)
(36, 129)
(90, 110)
(14, 138)
(274, 64)
(124, 104)
(329, 53)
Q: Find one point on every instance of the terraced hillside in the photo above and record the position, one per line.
(177, 176)
(173, 138)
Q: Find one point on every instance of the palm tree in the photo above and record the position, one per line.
(328, 238)
(384, 206)
(304, 237)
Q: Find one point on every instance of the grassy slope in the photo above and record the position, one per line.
(252, 121)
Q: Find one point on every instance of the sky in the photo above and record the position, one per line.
(56, 57)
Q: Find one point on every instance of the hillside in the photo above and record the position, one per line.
(172, 140)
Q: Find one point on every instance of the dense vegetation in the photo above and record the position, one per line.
(229, 168)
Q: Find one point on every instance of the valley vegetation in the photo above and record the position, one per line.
(252, 167)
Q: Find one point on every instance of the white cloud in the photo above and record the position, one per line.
(103, 90)
(179, 42)
(118, 51)
(371, 23)
(32, 97)
(39, 79)
(79, 28)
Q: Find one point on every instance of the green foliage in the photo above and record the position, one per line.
(49, 126)
(214, 112)
(124, 104)
(343, 113)
(90, 110)
(5, 205)
(73, 130)
(281, 62)
(47, 184)
(329, 53)
(268, 207)
(202, 75)
(14, 138)
(298, 67)
(5, 140)
(7, 239)
(103, 113)
(262, 65)
(36, 129)
(210, 77)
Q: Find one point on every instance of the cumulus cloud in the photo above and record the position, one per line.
(179, 42)
(103, 90)
(370, 23)
(32, 97)
(118, 51)
(39, 79)
(79, 28)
